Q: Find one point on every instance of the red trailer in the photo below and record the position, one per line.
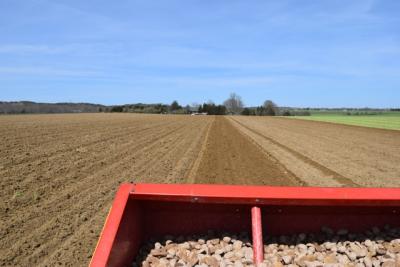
(142, 211)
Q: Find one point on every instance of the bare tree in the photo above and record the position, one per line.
(234, 104)
(270, 108)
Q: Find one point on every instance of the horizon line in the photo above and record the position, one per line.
(183, 105)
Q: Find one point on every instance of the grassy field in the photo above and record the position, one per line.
(386, 120)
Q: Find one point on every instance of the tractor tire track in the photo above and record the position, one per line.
(326, 172)
(191, 176)
(231, 158)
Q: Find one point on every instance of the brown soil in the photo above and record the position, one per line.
(326, 154)
(231, 158)
(59, 173)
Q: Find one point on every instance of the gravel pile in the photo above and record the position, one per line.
(376, 247)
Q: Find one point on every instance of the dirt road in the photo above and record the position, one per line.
(59, 173)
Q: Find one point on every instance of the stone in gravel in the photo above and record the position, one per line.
(387, 257)
(185, 245)
(219, 252)
(359, 251)
(389, 264)
(329, 245)
(381, 251)
(227, 239)
(319, 248)
(228, 248)
(192, 259)
(313, 264)
(172, 262)
(247, 261)
(210, 261)
(395, 248)
(237, 245)
(368, 243)
(152, 260)
(372, 251)
(161, 252)
(376, 263)
(330, 259)
(214, 241)
(164, 262)
(197, 246)
(367, 262)
(229, 255)
(310, 250)
(248, 254)
(351, 255)
(302, 261)
(287, 259)
(278, 264)
(341, 249)
(181, 253)
(320, 257)
(239, 254)
(342, 259)
(218, 257)
(228, 262)
(302, 248)
(201, 256)
(203, 251)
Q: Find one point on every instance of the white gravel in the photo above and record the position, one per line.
(376, 247)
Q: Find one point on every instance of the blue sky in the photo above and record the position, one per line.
(298, 53)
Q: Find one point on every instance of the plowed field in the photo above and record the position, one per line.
(59, 173)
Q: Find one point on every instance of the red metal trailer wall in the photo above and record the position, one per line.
(143, 211)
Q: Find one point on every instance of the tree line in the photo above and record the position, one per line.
(233, 105)
(29, 107)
